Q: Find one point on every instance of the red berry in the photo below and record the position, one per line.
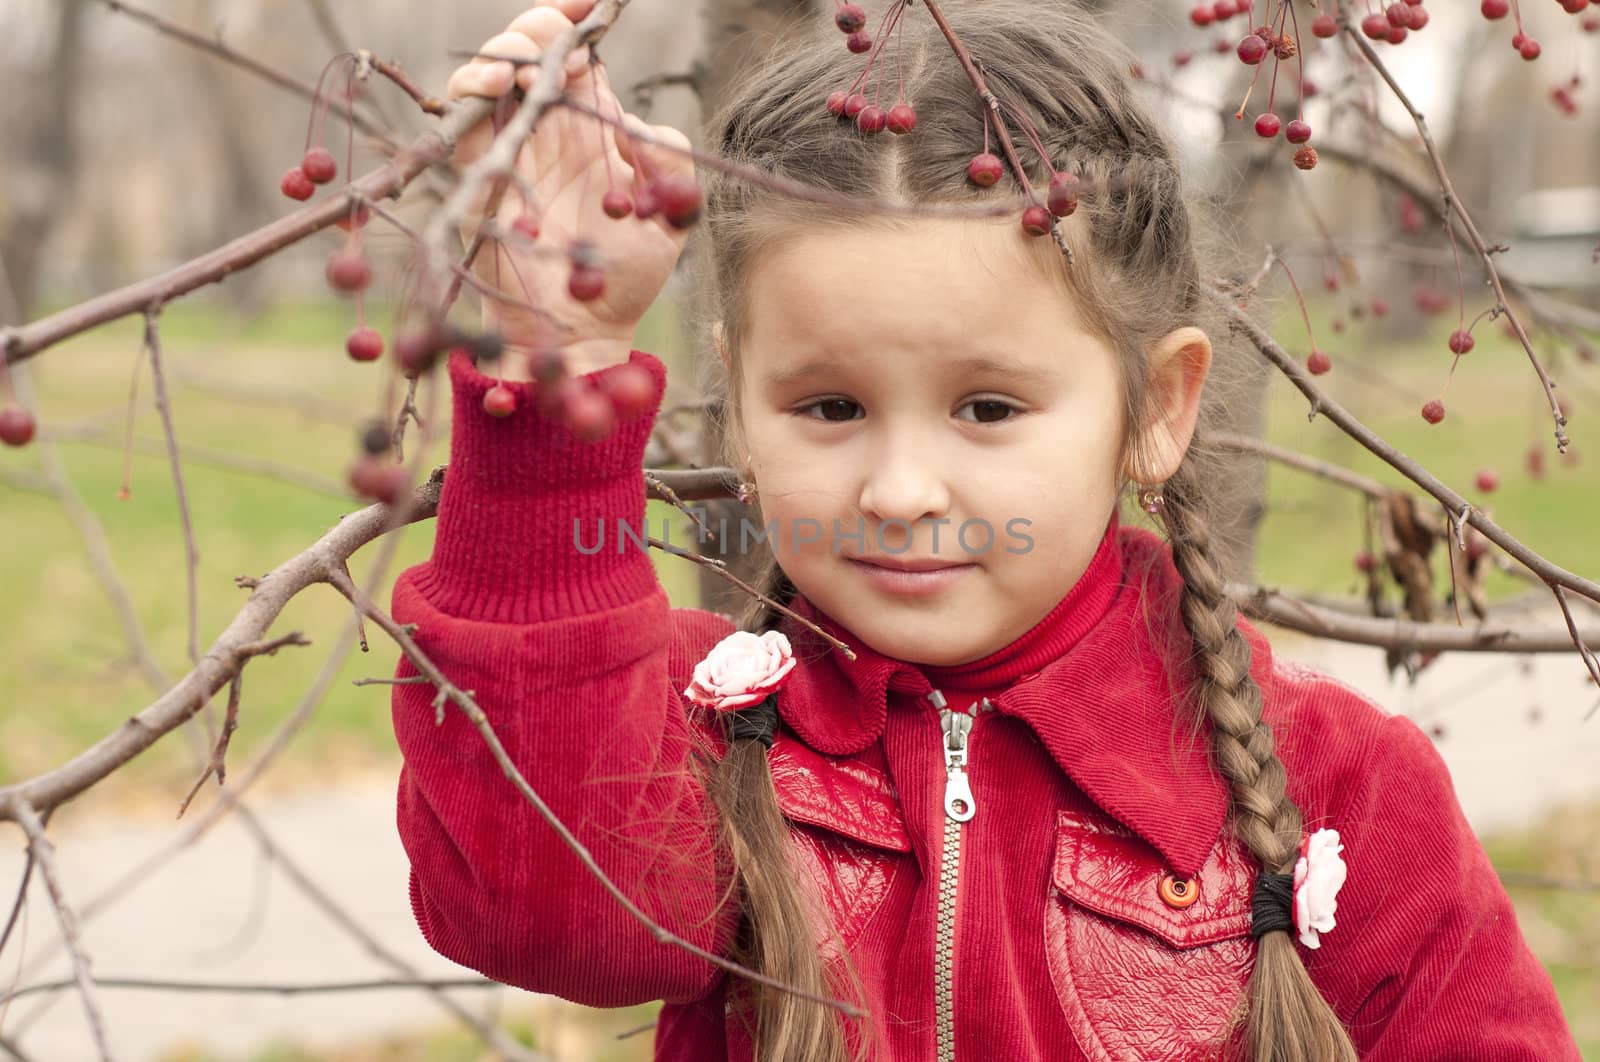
(1062, 198)
(1221, 46)
(872, 119)
(1487, 481)
(630, 389)
(850, 18)
(617, 204)
(364, 344)
(985, 169)
(588, 413)
(1419, 17)
(1305, 157)
(859, 42)
(1529, 49)
(1397, 15)
(1225, 9)
(373, 477)
(296, 185)
(417, 351)
(1297, 132)
(1324, 26)
(680, 200)
(1493, 9)
(1252, 50)
(1036, 220)
(836, 101)
(1460, 341)
(1203, 14)
(1433, 411)
(500, 401)
(16, 426)
(318, 165)
(855, 104)
(1318, 363)
(586, 282)
(1396, 34)
(1267, 126)
(902, 118)
(1535, 462)
(1591, 24)
(1380, 308)
(348, 270)
(1376, 27)
(1182, 57)
(1366, 562)
(527, 226)
(1573, 7)
(1430, 300)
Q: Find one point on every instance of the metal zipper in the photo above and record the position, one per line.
(955, 728)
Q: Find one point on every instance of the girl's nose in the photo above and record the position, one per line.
(904, 482)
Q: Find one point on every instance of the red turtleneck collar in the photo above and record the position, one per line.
(1095, 679)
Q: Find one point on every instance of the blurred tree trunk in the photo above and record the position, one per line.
(45, 170)
(737, 34)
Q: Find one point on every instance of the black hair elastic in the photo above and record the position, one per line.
(756, 722)
(1272, 907)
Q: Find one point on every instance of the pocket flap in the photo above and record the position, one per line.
(1106, 867)
(846, 796)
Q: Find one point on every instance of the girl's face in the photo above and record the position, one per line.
(927, 397)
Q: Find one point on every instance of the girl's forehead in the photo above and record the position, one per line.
(956, 292)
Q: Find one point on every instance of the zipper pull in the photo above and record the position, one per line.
(958, 802)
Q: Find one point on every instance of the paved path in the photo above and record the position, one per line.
(200, 917)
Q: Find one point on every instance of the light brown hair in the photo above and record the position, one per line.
(1137, 275)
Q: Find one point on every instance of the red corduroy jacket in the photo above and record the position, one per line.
(1037, 929)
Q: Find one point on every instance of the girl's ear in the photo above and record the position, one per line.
(1179, 362)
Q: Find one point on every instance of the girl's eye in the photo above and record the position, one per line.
(831, 409)
(838, 410)
(990, 410)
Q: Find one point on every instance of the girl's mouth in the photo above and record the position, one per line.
(909, 576)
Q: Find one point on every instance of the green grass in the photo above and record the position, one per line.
(1496, 412)
(65, 670)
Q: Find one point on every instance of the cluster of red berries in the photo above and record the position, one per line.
(590, 408)
(1253, 50)
(1205, 14)
(852, 104)
(1393, 24)
(1564, 96)
(317, 167)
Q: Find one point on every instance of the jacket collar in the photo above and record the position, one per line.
(1103, 706)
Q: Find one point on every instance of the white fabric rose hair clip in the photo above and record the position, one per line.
(1305, 900)
(1318, 876)
(739, 677)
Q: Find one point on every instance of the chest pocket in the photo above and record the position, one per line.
(845, 830)
(1144, 972)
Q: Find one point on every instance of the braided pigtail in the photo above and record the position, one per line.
(783, 1026)
(1288, 1020)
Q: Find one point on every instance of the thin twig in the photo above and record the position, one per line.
(191, 552)
(44, 855)
(1453, 202)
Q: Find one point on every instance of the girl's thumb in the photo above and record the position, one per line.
(668, 154)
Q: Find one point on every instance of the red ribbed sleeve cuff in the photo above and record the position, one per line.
(522, 493)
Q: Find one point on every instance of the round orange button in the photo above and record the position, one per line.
(1179, 892)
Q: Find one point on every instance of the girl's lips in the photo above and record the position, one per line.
(908, 583)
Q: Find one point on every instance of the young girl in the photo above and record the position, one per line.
(1056, 800)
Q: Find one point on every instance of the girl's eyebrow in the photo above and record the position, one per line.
(971, 365)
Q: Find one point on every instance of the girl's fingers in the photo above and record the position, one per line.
(487, 77)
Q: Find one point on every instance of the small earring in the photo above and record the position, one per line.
(747, 492)
(1152, 501)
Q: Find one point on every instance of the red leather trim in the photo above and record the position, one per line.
(1107, 868)
(1138, 979)
(841, 795)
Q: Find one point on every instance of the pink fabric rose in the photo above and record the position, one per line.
(1318, 876)
(741, 670)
